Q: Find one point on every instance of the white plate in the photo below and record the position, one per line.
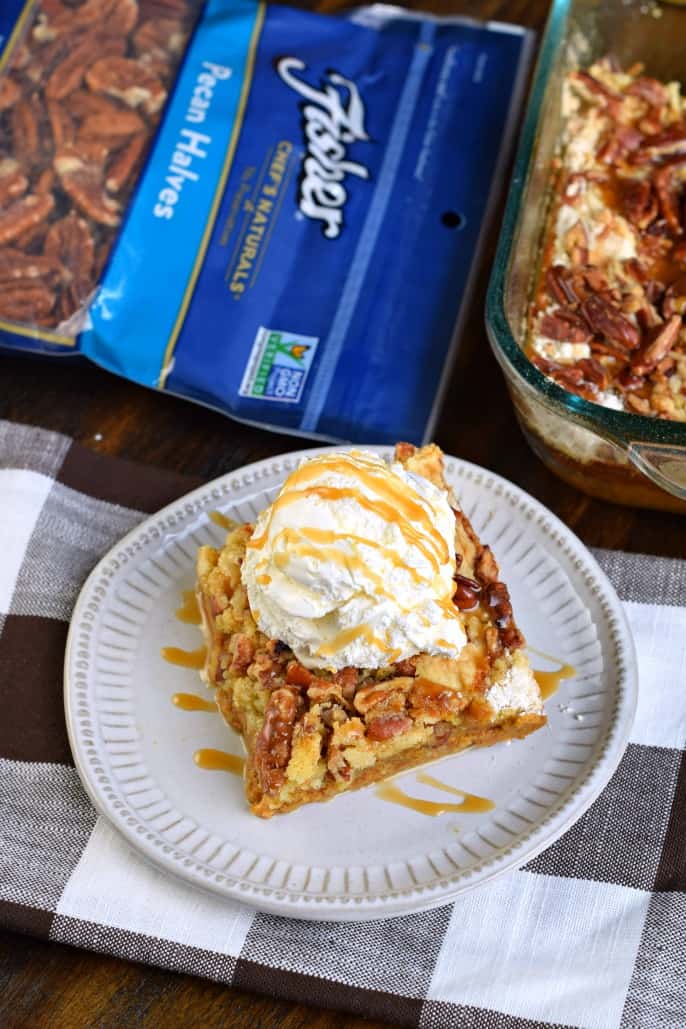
(356, 857)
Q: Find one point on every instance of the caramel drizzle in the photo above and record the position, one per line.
(329, 536)
(222, 520)
(391, 505)
(218, 761)
(471, 803)
(189, 611)
(185, 658)
(549, 681)
(347, 636)
(333, 554)
(192, 702)
(385, 511)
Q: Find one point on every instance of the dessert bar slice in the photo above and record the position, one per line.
(311, 733)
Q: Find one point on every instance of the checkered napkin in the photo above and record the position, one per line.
(591, 933)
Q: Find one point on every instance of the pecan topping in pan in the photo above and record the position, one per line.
(607, 318)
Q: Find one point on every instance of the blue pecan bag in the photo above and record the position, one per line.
(298, 245)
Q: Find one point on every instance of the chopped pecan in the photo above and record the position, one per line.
(565, 325)
(646, 358)
(669, 143)
(640, 203)
(298, 675)
(559, 285)
(385, 727)
(650, 90)
(348, 679)
(389, 695)
(605, 319)
(576, 244)
(498, 599)
(668, 186)
(273, 744)
(408, 667)
(243, 652)
(431, 701)
(591, 88)
(127, 80)
(486, 566)
(24, 214)
(594, 372)
(640, 405)
(466, 595)
(674, 300)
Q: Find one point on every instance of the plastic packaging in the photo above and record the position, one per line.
(298, 245)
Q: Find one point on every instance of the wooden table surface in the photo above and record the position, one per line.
(45, 984)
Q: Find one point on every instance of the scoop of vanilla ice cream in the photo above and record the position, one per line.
(353, 564)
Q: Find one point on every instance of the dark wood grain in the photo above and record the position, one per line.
(50, 985)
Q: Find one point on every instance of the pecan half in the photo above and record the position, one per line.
(82, 181)
(273, 744)
(647, 358)
(24, 124)
(13, 182)
(640, 203)
(386, 726)
(559, 285)
(24, 214)
(668, 184)
(10, 92)
(16, 265)
(127, 80)
(110, 126)
(565, 325)
(498, 599)
(605, 319)
(466, 594)
(649, 90)
(26, 301)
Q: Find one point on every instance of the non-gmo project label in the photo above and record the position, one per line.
(278, 365)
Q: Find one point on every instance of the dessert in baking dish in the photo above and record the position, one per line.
(360, 628)
(607, 320)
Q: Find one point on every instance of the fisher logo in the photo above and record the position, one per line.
(278, 365)
(330, 122)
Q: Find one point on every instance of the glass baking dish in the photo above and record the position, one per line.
(625, 458)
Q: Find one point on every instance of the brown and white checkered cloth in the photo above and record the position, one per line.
(591, 933)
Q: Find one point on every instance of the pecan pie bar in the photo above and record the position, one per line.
(607, 321)
(312, 732)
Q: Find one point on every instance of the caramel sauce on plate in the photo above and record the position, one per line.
(220, 519)
(218, 761)
(185, 658)
(471, 803)
(189, 611)
(193, 702)
(549, 681)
